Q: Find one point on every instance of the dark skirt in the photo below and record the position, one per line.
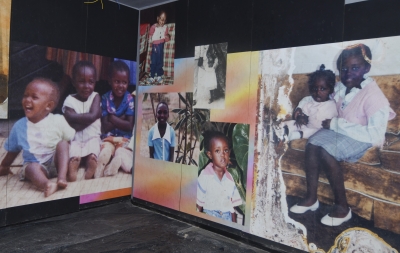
(341, 147)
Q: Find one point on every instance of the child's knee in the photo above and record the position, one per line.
(107, 147)
(62, 144)
(62, 148)
(32, 170)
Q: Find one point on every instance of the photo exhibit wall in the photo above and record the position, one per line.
(215, 138)
(273, 68)
(68, 139)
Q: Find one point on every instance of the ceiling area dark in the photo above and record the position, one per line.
(142, 4)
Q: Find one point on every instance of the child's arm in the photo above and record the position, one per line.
(151, 152)
(151, 32)
(6, 163)
(215, 63)
(297, 112)
(81, 121)
(301, 119)
(173, 144)
(124, 123)
(171, 154)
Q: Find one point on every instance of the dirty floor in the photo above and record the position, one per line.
(120, 227)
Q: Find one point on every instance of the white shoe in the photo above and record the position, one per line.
(332, 221)
(159, 79)
(302, 209)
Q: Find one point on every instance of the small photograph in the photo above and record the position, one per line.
(72, 124)
(221, 184)
(157, 45)
(5, 13)
(170, 127)
(209, 79)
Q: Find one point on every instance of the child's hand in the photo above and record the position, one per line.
(297, 112)
(168, 37)
(5, 170)
(301, 119)
(326, 123)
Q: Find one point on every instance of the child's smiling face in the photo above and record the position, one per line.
(162, 114)
(37, 102)
(320, 90)
(84, 83)
(161, 19)
(219, 153)
(119, 83)
(353, 70)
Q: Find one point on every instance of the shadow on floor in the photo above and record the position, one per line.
(119, 227)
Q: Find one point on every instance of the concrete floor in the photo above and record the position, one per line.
(119, 227)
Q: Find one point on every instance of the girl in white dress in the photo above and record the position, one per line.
(82, 112)
(207, 82)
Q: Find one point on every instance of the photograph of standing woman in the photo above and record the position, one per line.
(210, 76)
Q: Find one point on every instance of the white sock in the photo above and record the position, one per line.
(294, 136)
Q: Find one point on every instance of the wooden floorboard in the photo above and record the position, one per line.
(14, 192)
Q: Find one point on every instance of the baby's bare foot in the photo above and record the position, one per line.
(73, 166)
(91, 167)
(50, 189)
(62, 183)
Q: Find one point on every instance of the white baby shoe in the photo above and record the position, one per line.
(332, 221)
(302, 209)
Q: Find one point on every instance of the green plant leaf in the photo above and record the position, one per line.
(240, 138)
(203, 160)
(181, 122)
(176, 110)
(193, 161)
(183, 99)
(179, 159)
(237, 177)
(183, 111)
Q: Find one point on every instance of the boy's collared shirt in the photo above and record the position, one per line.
(161, 144)
(214, 194)
(38, 141)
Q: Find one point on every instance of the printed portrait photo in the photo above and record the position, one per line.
(221, 184)
(157, 45)
(209, 80)
(70, 132)
(171, 128)
(331, 127)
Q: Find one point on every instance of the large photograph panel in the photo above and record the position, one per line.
(72, 124)
(328, 134)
